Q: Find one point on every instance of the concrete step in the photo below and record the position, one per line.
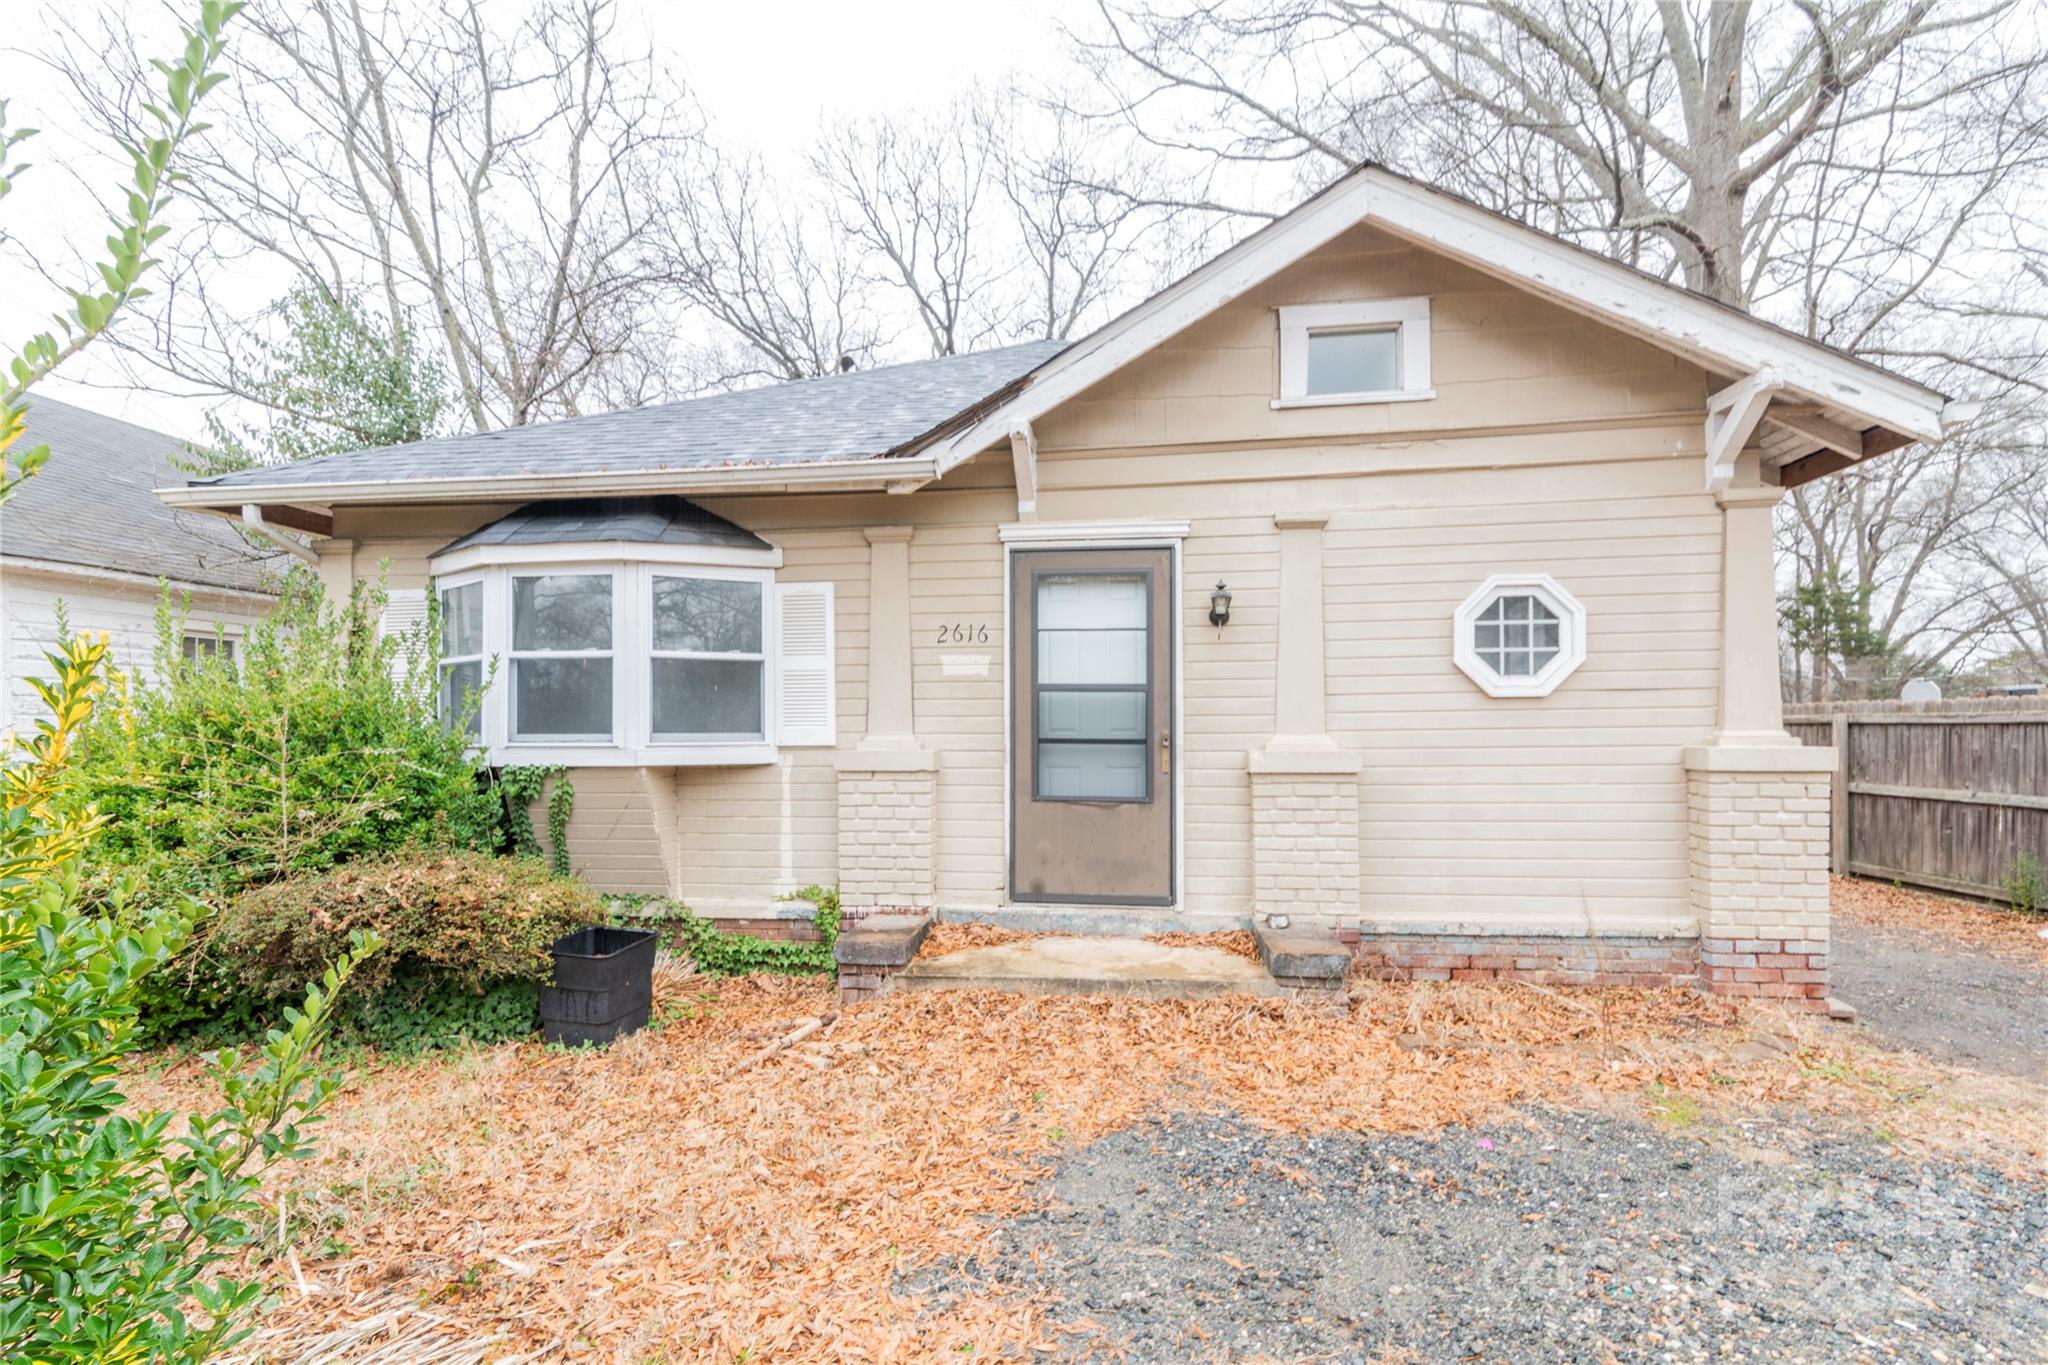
(1090, 966)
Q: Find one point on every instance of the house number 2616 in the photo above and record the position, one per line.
(961, 633)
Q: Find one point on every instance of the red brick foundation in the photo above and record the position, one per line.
(1547, 960)
(1790, 970)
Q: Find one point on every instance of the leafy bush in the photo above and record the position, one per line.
(318, 745)
(463, 920)
(113, 1223)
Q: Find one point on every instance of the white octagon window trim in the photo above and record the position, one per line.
(1513, 612)
(633, 740)
(1302, 326)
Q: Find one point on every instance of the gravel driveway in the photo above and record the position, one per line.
(1567, 1236)
(1949, 999)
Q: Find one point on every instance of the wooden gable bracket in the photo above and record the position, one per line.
(1732, 417)
(1024, 464)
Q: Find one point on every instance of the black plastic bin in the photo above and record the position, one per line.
(604, 985)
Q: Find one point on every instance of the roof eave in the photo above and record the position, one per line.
(893, 474)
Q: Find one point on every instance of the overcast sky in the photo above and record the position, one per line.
(769, 72)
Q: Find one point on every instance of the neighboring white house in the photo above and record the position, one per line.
(89, 532)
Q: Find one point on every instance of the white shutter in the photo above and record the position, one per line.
(404, 610)
(803, 650)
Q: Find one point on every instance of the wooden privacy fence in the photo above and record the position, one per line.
(1945, 794)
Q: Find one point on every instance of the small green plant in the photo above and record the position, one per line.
(1673, 1108)
(721, 954)
(521, 787)
(2026, 888)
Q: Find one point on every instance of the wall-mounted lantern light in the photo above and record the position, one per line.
(1219, 605)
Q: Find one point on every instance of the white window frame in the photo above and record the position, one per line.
(633, 569)
(222, 638)
(442, 587)
(766, 582)
(514, 656)
(1407, 318)
(1571, 635)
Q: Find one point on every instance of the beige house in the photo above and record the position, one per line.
(1402, 570)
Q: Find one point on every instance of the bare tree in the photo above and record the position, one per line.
(776, 280)
(502, 179)
(1866, 171)
(917, 198)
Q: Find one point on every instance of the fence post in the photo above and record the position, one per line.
(1838, 812)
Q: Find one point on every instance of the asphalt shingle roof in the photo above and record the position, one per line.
(94, 505)
(855, 416)
(638, 521)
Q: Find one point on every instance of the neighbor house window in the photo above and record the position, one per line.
(196, 647)
(562, 657)
(1520, 635)
(1370, 351)
(707, 666)
(462, 651)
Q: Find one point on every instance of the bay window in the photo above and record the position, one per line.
(462, 651)
(624, 654)
(562, 657)
(707, 666)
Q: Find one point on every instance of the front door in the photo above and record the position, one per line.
(1091, 689)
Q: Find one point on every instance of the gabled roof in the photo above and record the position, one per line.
(93, 506)
(841, 419)
(901, 426)
(631, 521)
(1880, 409)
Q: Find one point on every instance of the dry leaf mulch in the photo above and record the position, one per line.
(661, 1201)
(1885, 906)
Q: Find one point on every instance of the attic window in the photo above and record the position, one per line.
(1369, 351)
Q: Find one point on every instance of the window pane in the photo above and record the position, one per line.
(1091, 715)
(707, 615)
(207, 647)
(457, 682)
(1515, 663)
(561, 611)
(700, 697)
(562, 698)
(462, 620)
(1092, 772)
(1092, 628)
(1354, 362)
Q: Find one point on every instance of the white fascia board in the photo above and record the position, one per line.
(601, 552)
(1664, 315)
(820, 476)
(1172, 310)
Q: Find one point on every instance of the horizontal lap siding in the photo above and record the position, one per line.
(125, 614)
(956, 580)
(1228, 702)
(1552, 809)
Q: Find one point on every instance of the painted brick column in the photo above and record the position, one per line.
(887, 784)
(1304, 787)
(1757, 800)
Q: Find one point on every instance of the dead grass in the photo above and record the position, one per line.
(627, 1205)
(1884, 906)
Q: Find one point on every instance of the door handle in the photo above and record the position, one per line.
(1165, 752)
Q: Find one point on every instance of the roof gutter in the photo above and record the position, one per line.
(252, 517)
(895, 474)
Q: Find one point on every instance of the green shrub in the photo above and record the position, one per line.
(317, 745)
(464, 921)
(2026, 889)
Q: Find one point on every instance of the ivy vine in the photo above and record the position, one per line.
(721, 954)
(521, 787)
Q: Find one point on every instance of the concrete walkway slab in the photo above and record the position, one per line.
(1091, 966)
